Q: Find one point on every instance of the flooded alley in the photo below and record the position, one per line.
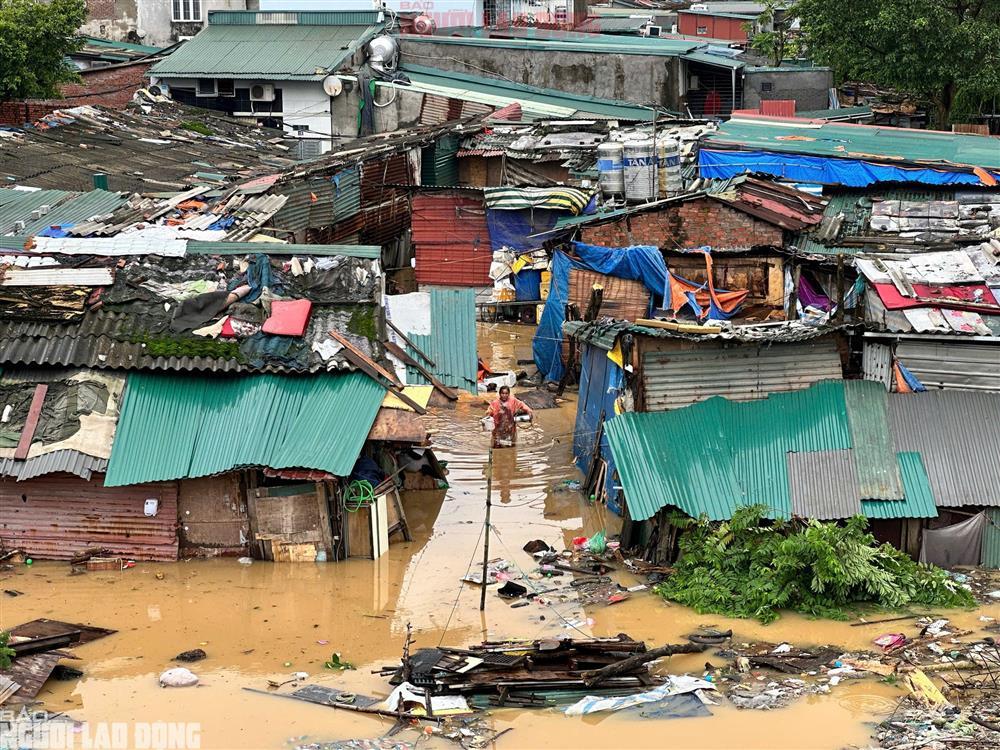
(266, 621)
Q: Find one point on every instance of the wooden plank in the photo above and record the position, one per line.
(391, 377)
(359, 534)
(34, 412)
(396, 425)
(410, 344)
(375, 371)
(406, 359)
(325, 526)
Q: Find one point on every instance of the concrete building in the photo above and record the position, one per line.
(268, 68)
(155, 22)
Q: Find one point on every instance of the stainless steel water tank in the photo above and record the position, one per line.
(611, 168)
(640, 170)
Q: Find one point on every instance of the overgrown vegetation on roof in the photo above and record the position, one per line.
(177, 346)
(196, 127)
(751, 568)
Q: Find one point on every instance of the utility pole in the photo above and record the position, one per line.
(486, 542)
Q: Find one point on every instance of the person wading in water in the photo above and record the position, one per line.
(503, 411)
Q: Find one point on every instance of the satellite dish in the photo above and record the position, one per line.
(332, 85)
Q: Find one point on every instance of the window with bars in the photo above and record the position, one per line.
(187, 10)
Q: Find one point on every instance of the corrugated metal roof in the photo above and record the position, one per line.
(674, 378)
(874, 456)
(265, 52)
(720, 61)
(179, 427)
(64, 208)
(952, 364)
(955, 433)
(845, 141)
(603, 333)
(919, 499)
(747, 442)
(56, 276)
(198, 247)
(535, 101)
(823, 484)
(64, 461)
(452, 341)
(611, 25)
(117, 340)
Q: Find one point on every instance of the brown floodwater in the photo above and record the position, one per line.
(265, 621)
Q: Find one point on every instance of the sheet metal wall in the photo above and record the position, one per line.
(58, 515)
(451, 240)
(674, 377)
(952, 364)
(990, 556)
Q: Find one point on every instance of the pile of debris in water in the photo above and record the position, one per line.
(38, 647)
(451, 688)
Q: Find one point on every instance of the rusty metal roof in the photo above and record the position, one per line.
(64, 461)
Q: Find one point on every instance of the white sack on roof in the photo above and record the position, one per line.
(128, 244)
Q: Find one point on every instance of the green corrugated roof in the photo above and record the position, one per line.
(856, 207)
(94, 41)
(919, 500)
(859, 142)
(721, 61)
(451, 342)
(200, 247)
(265, 52)
(508, 91)
(609, 43)
(715, 456)
(874, 457)
(179, 425)
(65, 208)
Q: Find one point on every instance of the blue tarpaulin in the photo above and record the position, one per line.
(601, 382)
(528, 285)
(638, 263)
(850, 172)
(512, 229)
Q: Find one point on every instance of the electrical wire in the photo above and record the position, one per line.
(461, 585)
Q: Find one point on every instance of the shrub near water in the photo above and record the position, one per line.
(743, 568)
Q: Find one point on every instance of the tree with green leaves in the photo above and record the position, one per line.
(943, 50)
(35, 38)
(777, 41)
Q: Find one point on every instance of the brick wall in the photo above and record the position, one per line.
(100, 9)
(109, 87)
(684, 226)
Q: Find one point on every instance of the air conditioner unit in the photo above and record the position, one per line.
(262, 92)
(654, 30)
(206, 87)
